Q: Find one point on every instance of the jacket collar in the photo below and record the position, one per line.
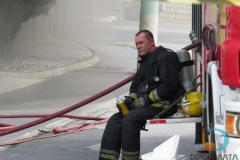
(143, 58)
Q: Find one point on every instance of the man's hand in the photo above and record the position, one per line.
(129, 101)
(142, 101)
(139, 102)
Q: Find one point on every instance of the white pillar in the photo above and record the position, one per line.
(149, 17)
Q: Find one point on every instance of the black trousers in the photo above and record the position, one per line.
(124, 132)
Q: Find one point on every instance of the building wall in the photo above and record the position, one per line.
(176, 13)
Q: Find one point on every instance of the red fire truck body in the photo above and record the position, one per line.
(217, 60)
(220, 59)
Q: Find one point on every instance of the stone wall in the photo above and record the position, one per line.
(176, 13)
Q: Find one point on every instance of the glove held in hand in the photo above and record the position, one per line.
(142, 101)
(139, 102)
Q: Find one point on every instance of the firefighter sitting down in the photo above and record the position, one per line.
(154, 87)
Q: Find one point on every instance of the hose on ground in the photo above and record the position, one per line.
(7, 129)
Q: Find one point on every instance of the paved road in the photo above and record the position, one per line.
(85, 145)
(124, 31)
(56, 93)
(59, 92)
(81, 84)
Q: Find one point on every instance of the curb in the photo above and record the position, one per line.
(104, 109)
(10, 81)
(45, 74)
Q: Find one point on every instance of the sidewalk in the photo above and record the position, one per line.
(103, 109)
(27, 65)
(85, 145)
(83, 58)
(75, 86)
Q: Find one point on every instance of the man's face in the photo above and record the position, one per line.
(144, 45)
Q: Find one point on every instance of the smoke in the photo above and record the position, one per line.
(14, 12)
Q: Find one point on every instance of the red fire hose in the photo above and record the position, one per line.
(6, 126)
(71, 108)
(60, 131)
(193, 45)
(45, 117)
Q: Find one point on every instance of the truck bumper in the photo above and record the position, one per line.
(232, 148)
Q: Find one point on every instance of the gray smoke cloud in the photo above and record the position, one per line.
(14, 12)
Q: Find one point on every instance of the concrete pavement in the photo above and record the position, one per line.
(114, 72)
(113, 62)
(106, 107)
(26, 65)
(110, 69)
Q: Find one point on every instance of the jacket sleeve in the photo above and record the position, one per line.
(169, 68)
(135, 83)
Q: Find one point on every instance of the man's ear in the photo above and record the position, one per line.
(152, 42)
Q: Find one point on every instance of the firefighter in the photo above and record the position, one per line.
(154, 86)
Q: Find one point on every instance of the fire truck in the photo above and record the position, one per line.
(217, 69)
